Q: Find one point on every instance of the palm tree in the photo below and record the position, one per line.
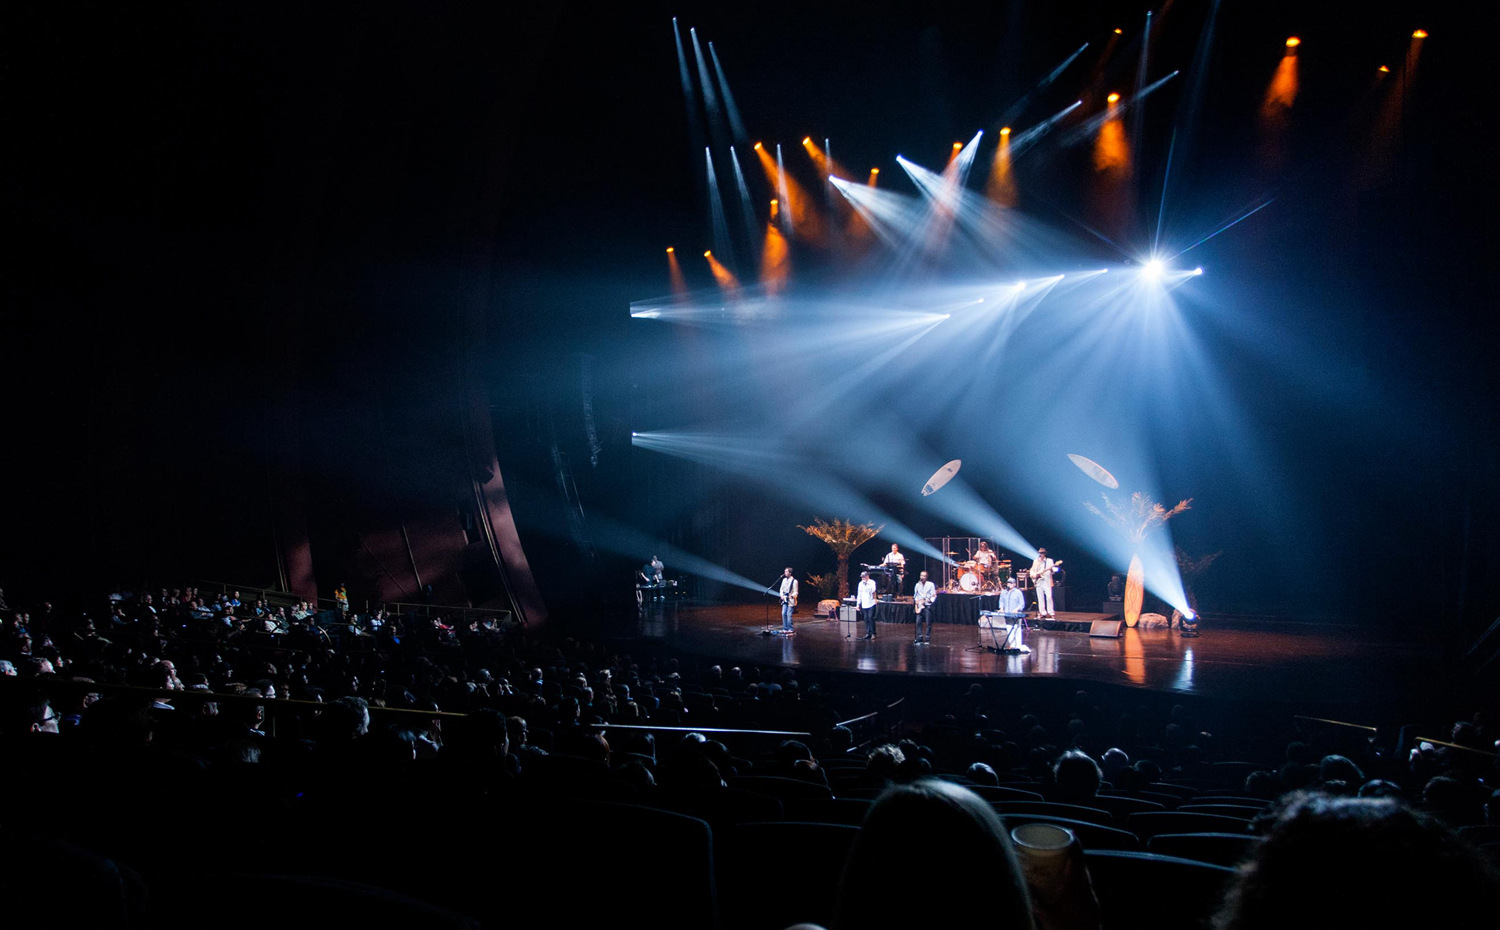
(843, 537)
(1135, 523)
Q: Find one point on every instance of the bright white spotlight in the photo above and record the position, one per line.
(1154, 269)
(1198, 270)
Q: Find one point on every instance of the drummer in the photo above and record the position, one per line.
(985, 560)
(895, 563)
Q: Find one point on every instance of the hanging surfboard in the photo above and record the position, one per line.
(941, 477)
(1094, 470)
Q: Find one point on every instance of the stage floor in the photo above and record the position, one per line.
(1270, 660)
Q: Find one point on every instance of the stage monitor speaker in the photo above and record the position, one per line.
(1108, 628)
(848, 614)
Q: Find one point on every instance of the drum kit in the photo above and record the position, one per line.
(975, 576)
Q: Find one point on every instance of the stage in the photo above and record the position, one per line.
(1273, 660)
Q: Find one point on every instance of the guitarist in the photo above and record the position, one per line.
(924, 594)
(1041, 579)
(788, 601)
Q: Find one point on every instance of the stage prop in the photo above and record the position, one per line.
(843, 537)
(1135, 523)
(941, 477)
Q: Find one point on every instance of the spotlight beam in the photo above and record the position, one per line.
(1227, 226)
(736, 127)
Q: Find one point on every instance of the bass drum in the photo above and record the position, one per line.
(968, 581)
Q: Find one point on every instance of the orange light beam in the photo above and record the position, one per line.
(725, 278)
(674, 270)
(1001, 187)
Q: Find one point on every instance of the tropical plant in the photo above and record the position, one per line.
(1135, 522)
(1190, 568)
(1142, 516)
(824, 586)
(843, 537)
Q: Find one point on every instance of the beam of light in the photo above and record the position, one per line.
(1022, 141)
(689, 92)
(821, 157)
(722, 275)
(1281, 93)
(960, 164)
(718, 220)
(730, 108)
(1016, 109)
(674, 270)
(874, 176)
(616, 537)
(1234, 222)
(747, 211)
(775, 261)
(1111, 149)
(1138, 113)
(706, 82)
(1001, 187)
(784, 186)
(1185, 129)
(891, 216)
(768, 464)
(944, 194)
(1089, 127)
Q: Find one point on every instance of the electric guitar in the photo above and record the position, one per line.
(789, 598)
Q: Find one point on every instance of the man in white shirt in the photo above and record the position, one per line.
(1041, 579)
(924, 594)
(895, 563)
(788, 600)
(866, 603)
(1012, 601)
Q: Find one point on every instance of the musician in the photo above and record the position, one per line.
(657, 568)
(650, 579)
(1012, 601)
(985, 557)
(895, 564)
(1041, 579)
(866, 603)
(924, 594)
(788, 600)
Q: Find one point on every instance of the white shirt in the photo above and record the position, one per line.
(1012, 601)
(896, 559)
(1041, 572)
(788, 587)
(867, 593)
(925, 591)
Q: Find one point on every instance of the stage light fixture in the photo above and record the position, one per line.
(1419, 34)
(1153, 269)
(708, 254)
(807, 140)
(1197, 271)
(670, 250)
(1293, 42)
(874, 170)
(1188, 624)
(957, 146)
(1113, 98)
(1119, 32)
(1004, 130)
